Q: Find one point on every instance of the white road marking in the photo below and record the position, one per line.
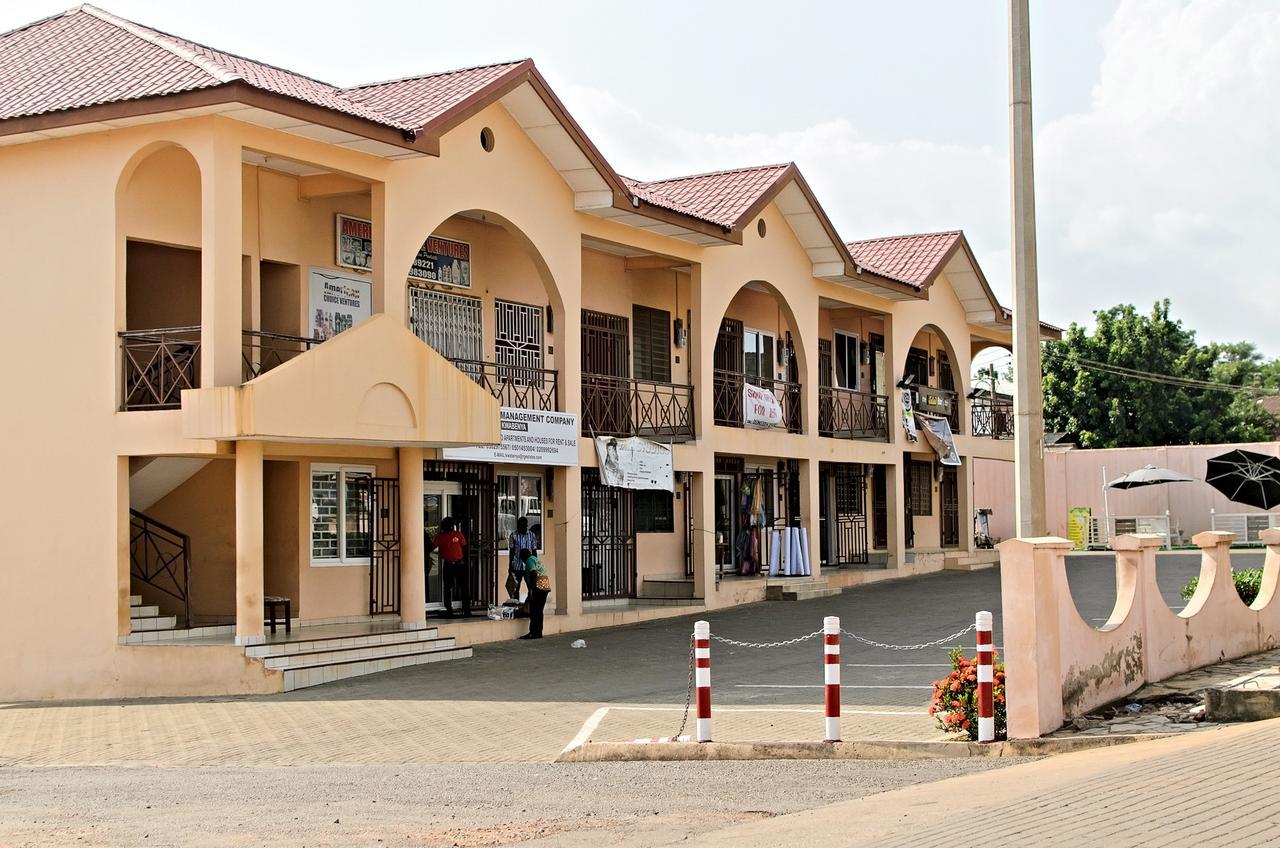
(732, 709)
(588, 727)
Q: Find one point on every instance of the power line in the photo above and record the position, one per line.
(1153, 377)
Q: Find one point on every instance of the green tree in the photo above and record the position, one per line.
(1092, 392)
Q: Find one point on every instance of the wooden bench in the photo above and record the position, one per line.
(271, 605)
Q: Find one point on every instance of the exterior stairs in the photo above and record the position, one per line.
(672, 590)
(324, 659)
(798, 589)
(144, 618)
(970, 561)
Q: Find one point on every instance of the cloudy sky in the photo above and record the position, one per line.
(1157, 143)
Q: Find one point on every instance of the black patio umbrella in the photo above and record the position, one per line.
(1246, 477)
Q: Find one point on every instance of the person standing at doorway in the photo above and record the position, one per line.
(520, 541)
(452, 545)
(539, 588)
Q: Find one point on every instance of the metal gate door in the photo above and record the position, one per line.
(517, 341)
(847, 513)
(450, 323)
(949, 492)
(606, 356)
(608, 540)
(382, 523)
(727, 367)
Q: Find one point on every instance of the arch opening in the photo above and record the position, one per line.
(758, 360)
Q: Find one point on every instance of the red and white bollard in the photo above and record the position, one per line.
(986, 680)
(831, 674)
(702, 677)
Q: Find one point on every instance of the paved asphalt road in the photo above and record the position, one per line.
(648, 663)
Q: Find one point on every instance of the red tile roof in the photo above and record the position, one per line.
(720, 197)
(87, 57)
(416, 101)
(914, 260)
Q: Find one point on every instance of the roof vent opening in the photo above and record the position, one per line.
(761, 228)
(486, 139)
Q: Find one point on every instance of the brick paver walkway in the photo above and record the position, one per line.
(1211, 789)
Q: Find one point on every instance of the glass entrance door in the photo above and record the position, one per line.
(726, 522)
(440, 500)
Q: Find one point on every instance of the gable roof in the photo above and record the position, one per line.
(913, 259)
(720, 197)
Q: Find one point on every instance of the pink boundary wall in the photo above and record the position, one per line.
(1059, 667)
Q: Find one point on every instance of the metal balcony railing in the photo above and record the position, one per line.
(516, 386)
(157, 365)
(727, 399)
(261, 351)
(847, 414)
(992, 419)
(623, 406)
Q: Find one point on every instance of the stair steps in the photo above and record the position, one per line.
(666, 587)
(145, 618)
(312, 662)
(799, 589)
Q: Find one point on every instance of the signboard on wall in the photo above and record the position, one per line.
(528, 438)
(760, 408)
(442, 260)
(908, 415)
(353, 246)
(635, 463)
(1078, 526)
(337, 301)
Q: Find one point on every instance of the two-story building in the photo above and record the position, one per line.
(274, 331)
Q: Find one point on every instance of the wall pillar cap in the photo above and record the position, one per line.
(1137, 541)
(1037, 543)
(1212, 538)
(1270, 536)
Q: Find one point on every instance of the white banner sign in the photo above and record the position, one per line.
(528, 438)
(908, 415)
(635, 464)
(338, 301)
(760, 408)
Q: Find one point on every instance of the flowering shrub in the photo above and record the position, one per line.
(955, 697)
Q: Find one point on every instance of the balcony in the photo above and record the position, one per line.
(992, 419)
(727, 399)
(847, 414)
(622, 406)
(159, 364)
(517, 386)
(943, 403)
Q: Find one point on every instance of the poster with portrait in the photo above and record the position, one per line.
(353, 246)
(635, 463)
(442, 260)
(337, 301)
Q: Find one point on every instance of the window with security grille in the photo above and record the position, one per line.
(655, 512)
(450, 323)
(921, 487)
(651, 343)
(340, 514)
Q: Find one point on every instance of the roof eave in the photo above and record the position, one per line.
(236, 91)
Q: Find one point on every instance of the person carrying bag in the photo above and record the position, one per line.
(539, 588)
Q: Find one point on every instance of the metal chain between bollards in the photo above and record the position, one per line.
(783, 644)
(688, 695)
(873, 643)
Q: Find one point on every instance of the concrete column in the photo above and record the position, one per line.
(1028, 396)
(702, 502)
(1032, 573)
(566, 590)
(249, 612)
(809, 503)
(220, 260)
(895, 518)
(413, 576)
(124, 582)
(964, 502)
(701, 349)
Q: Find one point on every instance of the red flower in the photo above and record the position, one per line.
(965, 724)
(955, 687)
(930, 710)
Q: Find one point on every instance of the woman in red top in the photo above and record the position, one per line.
(451, 545)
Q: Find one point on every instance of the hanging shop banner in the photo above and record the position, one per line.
(338, 301)
(442, 260)
(353, 247)
(528, 438)
(1078, 526)
(937, 432)
(635, 463)
(760, 408)
(908, 415)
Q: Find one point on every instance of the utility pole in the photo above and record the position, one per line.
(1028, 393)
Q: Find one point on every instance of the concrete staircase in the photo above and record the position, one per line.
(663, 589)
(144, 618)
(966, 561)
(798, 589)
(311, 662)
